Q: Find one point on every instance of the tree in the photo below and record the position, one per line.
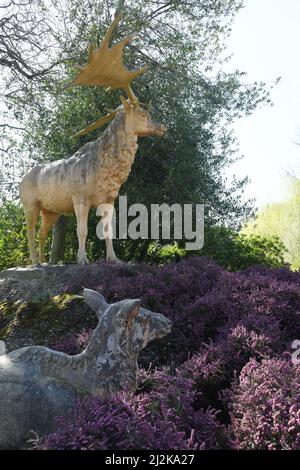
(281, 220)
(59, 240)
(183, 42)
(13, 243)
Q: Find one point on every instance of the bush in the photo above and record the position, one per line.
(225, 324)
(228, 248)
(159, 417)
(265, 406)
(74, 344)
(111, 425)
(213, 369)
(165, 253)
(204, 302)
(13, 240)
(236, 251)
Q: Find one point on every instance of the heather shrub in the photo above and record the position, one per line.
(111, 425)
(268, 296)
(192, 276)
(236, 295)
(217, 364)
(170, 289)
(279, 274)
(202, 300)
(74, 344)
(256, 335)
(222, 323)
(104, 276)
(160, 415)
(173, 399)
(265, 406)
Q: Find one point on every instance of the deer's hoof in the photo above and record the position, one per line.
(36, 264)
(82, 260)
(114, 260)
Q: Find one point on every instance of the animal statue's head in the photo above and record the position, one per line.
(105, 68)
(139, 121)
(125, 326)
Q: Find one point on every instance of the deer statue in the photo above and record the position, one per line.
(38, 384)
(92, 177)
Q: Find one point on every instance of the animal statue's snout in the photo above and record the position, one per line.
(166, 326)
(160, 326)
(159, 129)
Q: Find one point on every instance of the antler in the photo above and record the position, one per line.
(100, 122)
(105, 65)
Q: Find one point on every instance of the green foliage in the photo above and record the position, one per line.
(13, 241)
(229, 249)
(236, 251)
(165, 254)
(281, 220)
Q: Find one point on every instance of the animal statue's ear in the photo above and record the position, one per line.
(126, 104)
(96, 301)
(131, 309)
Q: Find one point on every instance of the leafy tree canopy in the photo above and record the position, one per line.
(184, 44)
(281, 220)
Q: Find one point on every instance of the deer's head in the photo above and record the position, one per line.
(128, 327)
(139, 122)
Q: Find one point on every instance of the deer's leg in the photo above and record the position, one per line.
(48, 220)
(82, 209)
(31, 216)
(108, 211)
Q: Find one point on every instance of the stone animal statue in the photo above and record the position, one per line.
(38, 384)
(94, 174)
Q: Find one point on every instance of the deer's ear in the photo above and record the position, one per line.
(126, 104)
(131, 308)
(96, 301)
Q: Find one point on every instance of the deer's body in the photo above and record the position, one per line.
(90, 178)
(38, 384)
(94, 173)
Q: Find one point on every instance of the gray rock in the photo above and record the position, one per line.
(29, 273)
(38, 384)
(46, 281)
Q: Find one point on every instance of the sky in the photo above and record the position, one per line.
(265, 42)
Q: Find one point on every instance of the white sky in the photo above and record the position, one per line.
(265, 41)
